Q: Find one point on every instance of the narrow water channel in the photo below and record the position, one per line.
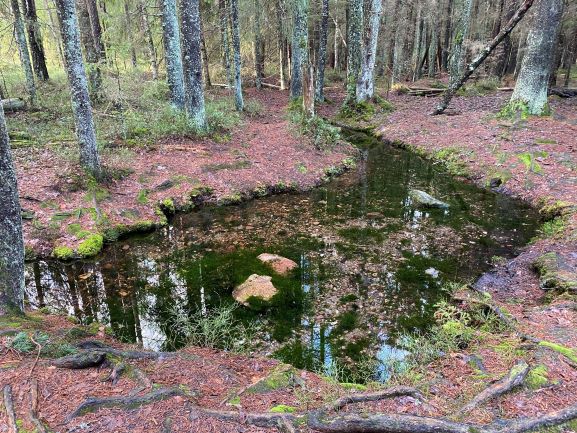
(371, 263)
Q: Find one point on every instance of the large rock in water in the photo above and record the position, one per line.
(279, 264)
(556, 272)
(421, 198)
(258, 286)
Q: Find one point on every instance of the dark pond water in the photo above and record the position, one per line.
(371, 265)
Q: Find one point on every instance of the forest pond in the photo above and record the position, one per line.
(371, 264)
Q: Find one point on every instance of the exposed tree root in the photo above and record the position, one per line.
(97, 346)
(116, 372)
(130, 402)
(38, 424)
(514, 378)
(83, 359)
(265, 420)
(9, 406)
(397, 391)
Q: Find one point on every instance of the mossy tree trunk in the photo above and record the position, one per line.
(322, 56)
(35, 40)
(354, 49)
(462, 24)
(532, 83)
(192, 64)
(81, 106)
(366, 81)
(20, 34)
(239, 101)
(300, 46)
(11, 241)
(172, 53)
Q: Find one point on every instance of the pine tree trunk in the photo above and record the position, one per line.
(299, 46)
(434, 45)
(172, 53)
(416, 60)
(129, 30)
(366, 81)
(322, 56)
(204, 52)
(82, 110)
(11, 240)
(239, 102)
(447, 36)
(23, 51)
(90, 51)
(96, 29)
(149, 39)
(355, 55)
(398, 46)
(532, 84)
(192, 63)
(503, 51)
(282, 44)
(257, 46)
(35, 40)
(460, 33)
(225, 40)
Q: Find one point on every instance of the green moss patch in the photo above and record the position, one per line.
(537, 377)
(280, 378)
(62, 252)
(567, 352)
(91, 246)
(555, 273)
(283, 408)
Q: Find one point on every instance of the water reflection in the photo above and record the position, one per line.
(371, 264)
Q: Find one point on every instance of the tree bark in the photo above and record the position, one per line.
(35, 40)
(366, 81)
(460, 33)
(322, 56)
(149, 39)
(96, 29)
(192, 63)
(20, 34)
(457, 84)
(172, 53)
(11, 240)
(503, 51)
(82, 110)
(239, 102)
(91, 52)
(300, 46)
(533, 80)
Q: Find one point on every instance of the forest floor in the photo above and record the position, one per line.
(65, 213)
(179, 391)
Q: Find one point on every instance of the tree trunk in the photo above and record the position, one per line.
(299, 46)
(53, 32)
(571, 56)
(172, 53)
(96, 29)
(12, 243)
(447, 36)
(239, 102)
(457, 84)
(532, 84)
(35, 40)
(149, 39)
(192, 62)
(416, 60)
(23, 51)
(128, 19)
(205, 63)
(460, 33)
(366, 81)
(434, 45)
(89, 158)
(257, 46)
(355, 55)
(282, 44)
(224, 35)
(322, 56)
(90, 52)
(398, 60)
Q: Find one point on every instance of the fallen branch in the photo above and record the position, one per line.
(9, 406)
(40, 427)
(563, 92)
(272, 86)
(94, 404)
(513, 379)
(37, 356)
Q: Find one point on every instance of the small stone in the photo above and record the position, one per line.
(281, 265)
(421, 198)
(257, 286)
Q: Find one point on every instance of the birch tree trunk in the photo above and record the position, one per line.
(355, 55)
(23, 51)
(11, 241)
(239, 102)
(149, 39)
(35, 40)
(192, 63)
(300, 47)
(82, 110)
(90, 52)
(366, 82)
(172, 53)
(322, 56)
(460, 33)
(224, 36)
(532, 83)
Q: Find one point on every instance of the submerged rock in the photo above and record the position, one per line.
(556, 273)
(421, 198)
(255, 286)
(279, 264)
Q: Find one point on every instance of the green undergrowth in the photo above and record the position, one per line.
(364, 111)
(324, 135)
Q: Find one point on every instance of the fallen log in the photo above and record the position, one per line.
(9, 407)
(80, 360)
(272, 86)
(563, 92)
(13, 104)
(513, 379)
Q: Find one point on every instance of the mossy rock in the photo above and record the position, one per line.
(555, 273)
(281, 377)
(557, 209)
